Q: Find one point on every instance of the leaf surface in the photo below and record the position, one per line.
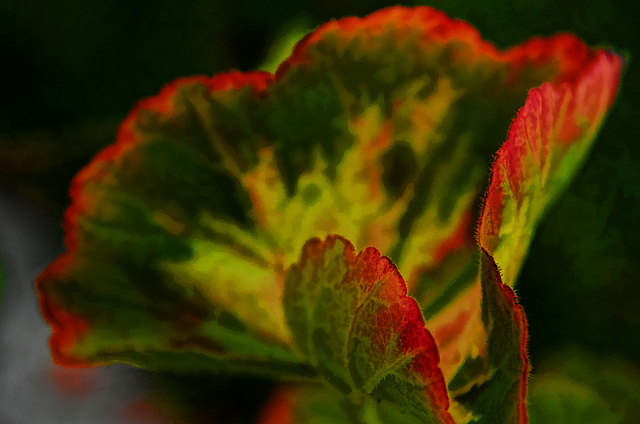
(501, 397)
(151, 224)
(547, 142)
(350, 316)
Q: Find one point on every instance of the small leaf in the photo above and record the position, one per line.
(351, 318)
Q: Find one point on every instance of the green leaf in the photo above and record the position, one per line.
(144, 238)
(351, 318)
(379, 129)
(548, 141)
(492, 386)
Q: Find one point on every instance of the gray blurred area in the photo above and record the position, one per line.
(33, 390)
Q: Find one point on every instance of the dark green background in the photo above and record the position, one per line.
(72, 69)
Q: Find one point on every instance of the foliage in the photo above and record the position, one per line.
(184, 237)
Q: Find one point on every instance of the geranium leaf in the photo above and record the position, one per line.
(147, 232)
(351, 318)
(412, 105)
(548, 141)
(379, 129)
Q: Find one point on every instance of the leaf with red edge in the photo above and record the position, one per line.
(351, 318)
(547, 142)
(501, 398)
(144, 207)
(379, 129)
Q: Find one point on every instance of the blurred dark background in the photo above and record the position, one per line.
(72, 69)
